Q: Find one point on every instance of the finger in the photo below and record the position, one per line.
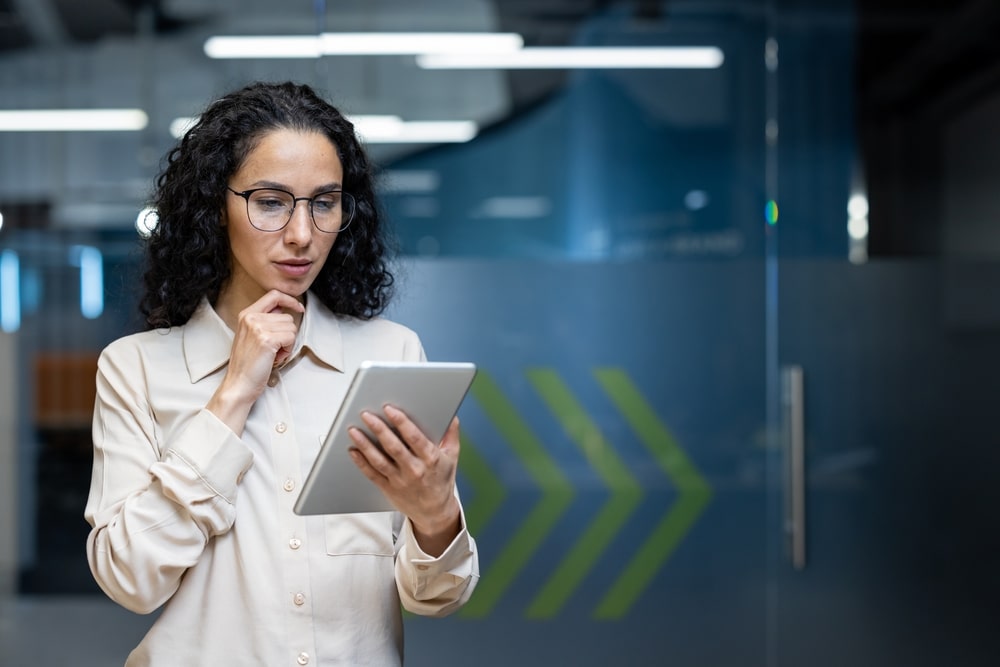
(276, 301)
(371, 454)
(452, 441)
(387, 438)
(418, 443)
(281, 356)
(367, 456)
(275, 332)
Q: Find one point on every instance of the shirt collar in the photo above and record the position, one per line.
(320, 334)
(208, 341)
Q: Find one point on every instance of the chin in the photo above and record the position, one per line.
(294, 286)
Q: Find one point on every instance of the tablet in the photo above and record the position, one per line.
(429, 392)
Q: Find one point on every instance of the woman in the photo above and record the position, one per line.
(265, 279)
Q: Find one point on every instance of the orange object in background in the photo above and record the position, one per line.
(64, 389)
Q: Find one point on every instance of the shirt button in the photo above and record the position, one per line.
(295, 543)
(288, 485)
(299, 599)
(303, 658)
(280, 427)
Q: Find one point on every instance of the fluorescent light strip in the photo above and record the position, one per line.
(382, 130)
(412, 43)
(180, 126)
(73, 120)
(385, 129)
(301, 46)
(359, 43)
(662, 57)
(410, 181)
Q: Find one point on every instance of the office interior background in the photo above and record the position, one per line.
(736, 308)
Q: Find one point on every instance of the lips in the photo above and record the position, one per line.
(294, 267)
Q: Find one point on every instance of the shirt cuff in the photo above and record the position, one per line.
(214, 452)
(454, 558)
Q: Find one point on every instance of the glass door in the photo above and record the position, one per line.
(885, 348)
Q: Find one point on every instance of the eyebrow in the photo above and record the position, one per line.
(274, 185)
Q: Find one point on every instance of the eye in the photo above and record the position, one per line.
(267, 200)
(326, 203)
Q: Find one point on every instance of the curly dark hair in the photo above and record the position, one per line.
(188, 254)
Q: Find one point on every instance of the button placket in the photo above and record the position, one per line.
(284, 440)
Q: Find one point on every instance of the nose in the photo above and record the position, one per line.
(299, 229)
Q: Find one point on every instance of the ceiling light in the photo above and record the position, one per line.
(296, 46)
(663, 57)
(359, 43)
(146, 221)
(410, 43)
(180, 126)
(73, 120)
(513, 207)
(394, 130)
(857, 206)
(385, 129)
(410, 181)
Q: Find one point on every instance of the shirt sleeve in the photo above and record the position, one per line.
(431, 586)
(153, 506)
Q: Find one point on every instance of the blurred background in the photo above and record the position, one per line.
(730, 270)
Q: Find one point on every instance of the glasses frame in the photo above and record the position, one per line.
(246, 194)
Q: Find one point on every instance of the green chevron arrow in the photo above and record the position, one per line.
(488, 491)
(693, 494)
(556, 496)
(625, 495)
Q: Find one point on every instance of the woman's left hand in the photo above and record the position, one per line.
(415, 474)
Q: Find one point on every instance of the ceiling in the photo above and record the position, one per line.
(27, 23)
(905, 47)
(71, 24)
(914, 59)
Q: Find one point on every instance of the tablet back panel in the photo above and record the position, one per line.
(429, 392)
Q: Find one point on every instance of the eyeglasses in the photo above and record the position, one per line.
(270, 209)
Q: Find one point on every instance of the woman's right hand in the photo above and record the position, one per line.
(264, 338)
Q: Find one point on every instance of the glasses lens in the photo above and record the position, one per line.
(269, 210)
(333, 211)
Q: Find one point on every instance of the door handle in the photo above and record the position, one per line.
(793, 395)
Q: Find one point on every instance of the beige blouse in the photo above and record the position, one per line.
(187, 515)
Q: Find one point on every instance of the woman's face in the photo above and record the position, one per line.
(301, 162)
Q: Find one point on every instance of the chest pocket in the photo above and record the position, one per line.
(359, 534)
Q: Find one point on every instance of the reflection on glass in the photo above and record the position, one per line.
(91, 264)
(10, 290)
